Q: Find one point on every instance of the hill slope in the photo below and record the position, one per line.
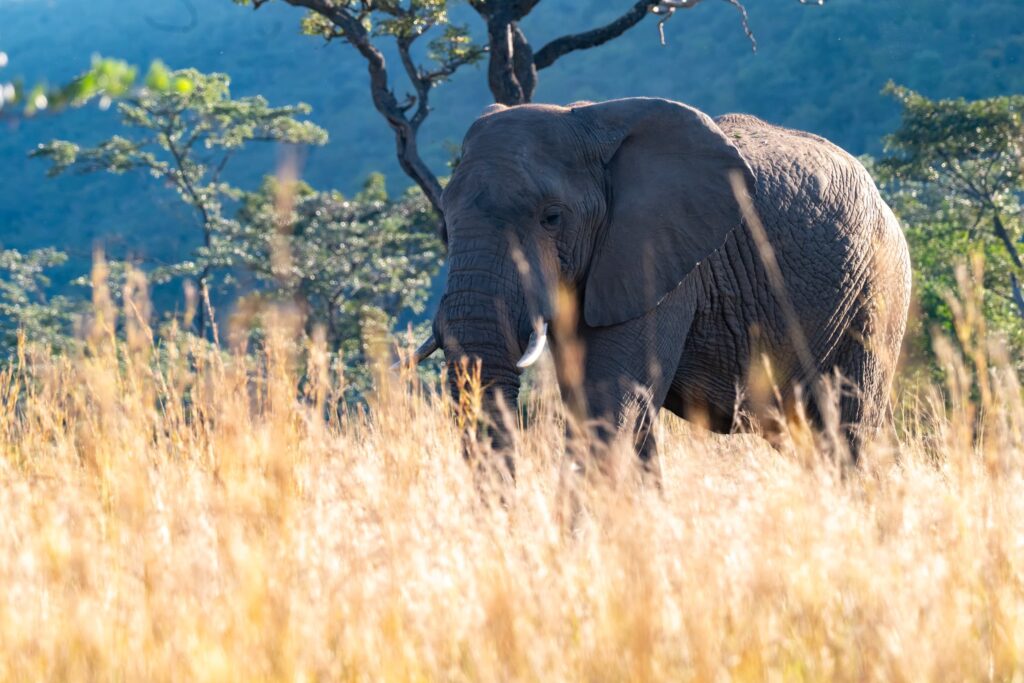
(818, 68)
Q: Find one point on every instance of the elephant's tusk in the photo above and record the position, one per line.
(425, 350)
(538, 340)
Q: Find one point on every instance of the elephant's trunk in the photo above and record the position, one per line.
(482, 319)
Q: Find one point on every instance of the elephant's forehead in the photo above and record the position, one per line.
(513, 158)
(492, 185)
(530, 129)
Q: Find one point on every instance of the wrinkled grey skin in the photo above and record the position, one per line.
(633, 204)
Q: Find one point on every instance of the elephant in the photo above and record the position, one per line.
(698, 253)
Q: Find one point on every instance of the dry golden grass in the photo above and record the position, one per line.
(197, 519)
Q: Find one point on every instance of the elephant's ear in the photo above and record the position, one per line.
(671, 202)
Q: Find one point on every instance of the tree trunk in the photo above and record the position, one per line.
(511, 73)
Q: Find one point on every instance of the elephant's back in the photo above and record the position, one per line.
(811, 187)
(839, 248)
(815, 198)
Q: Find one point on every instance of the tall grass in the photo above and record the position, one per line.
(169, 511)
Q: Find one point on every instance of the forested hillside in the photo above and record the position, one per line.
(817, 68)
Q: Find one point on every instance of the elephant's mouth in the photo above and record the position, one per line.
(534, 348)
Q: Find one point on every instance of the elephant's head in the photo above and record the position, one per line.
(620, 200)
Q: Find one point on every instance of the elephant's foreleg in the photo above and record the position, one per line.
(628, 370)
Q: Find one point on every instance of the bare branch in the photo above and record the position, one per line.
(421, 85)
(666, 9)
(384, 98)
(559, 47)
(451, 66)
(745, 20)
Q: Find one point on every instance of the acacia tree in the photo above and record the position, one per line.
(25, 308)
(971, 155)
(513, 63)
(953, 174)
(186, 128)
(340, 259)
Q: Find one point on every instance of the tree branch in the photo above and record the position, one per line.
(451, 66)
(1001, 233)
(383, 98)
(421, 85)
(559, 47)
(200, 205)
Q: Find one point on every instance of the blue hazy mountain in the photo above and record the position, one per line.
(817, 68)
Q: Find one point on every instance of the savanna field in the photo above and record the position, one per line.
(171, 512)
(211, 470)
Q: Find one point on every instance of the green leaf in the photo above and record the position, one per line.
(158, 78)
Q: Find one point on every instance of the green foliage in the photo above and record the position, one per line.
(453, 45)
(405, 20)
(943, 234)
(349, 264)
(365, 24)
(970, 149)
(953, 174)
(817, 69)
(186, 127)
(106, 79)
(24, 306)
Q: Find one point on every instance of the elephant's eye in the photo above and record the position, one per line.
(552, 217)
